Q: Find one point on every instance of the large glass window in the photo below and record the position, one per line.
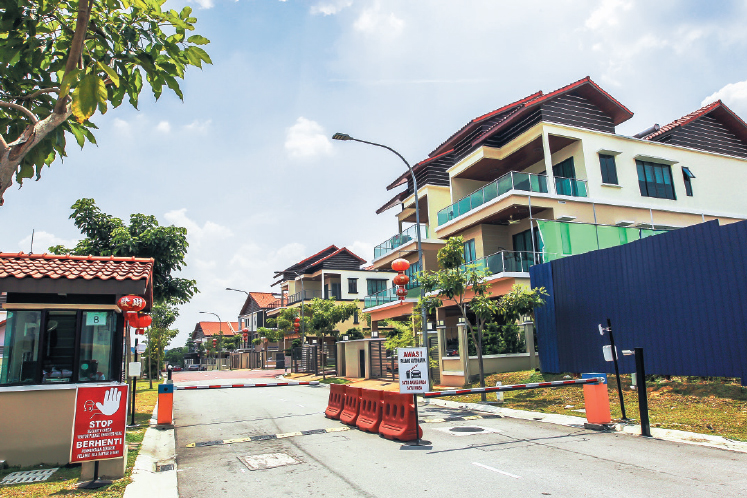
(22, 335)
(375, 285)
(655, 180)
(60, 346)
(469, 251)
(687, 175)
(609, 169)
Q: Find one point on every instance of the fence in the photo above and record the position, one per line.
(678, 295)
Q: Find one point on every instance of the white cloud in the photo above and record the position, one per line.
(163, 127)
(122, 126)
(373, 22)
(330, 8)
(198, 126)
(607, 13)
(43, 241)
(196, 234)
(307, 139)
(733, 94)
(362, 249)
(204, 4)
(251, 256)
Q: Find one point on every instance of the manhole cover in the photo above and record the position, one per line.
(268, 461)
(164, 467)
(27, 476)
(467, 430)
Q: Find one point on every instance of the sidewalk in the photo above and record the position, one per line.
(151, 474)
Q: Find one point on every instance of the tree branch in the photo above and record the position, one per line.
(20, 108)
(76, 47)
(38, 92)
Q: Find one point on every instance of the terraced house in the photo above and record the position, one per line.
(547, 176)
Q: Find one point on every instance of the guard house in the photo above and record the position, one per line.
(63, 330)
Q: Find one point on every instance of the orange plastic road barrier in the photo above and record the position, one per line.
(596, 400)
(352, 403)
(165, 404)
(398, 417)
(369, 415)
(336, 401)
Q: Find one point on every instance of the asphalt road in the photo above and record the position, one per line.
(518, 459)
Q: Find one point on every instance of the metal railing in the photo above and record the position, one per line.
(400, 239)
(571, 187)
(304, 296)
(513, 180)
(507, 261)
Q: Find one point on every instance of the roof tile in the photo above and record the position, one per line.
(20, 265)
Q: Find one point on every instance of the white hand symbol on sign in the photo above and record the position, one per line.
(111, 402)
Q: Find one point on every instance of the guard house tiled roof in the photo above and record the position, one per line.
(38, 266)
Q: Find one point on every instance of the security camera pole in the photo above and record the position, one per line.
(602, 330)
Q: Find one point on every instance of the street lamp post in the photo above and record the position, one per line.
(245, 292)
(345, 137)
(220, 331)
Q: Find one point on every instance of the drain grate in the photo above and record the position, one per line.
(164, 467)
(268, 461)
(467, 429)
(28, 476)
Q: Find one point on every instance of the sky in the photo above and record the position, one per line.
(246, 163)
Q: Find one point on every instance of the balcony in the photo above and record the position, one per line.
(570, 187)
(304, 296)
(513, 180)
(390, 295)
(400, 239)
(508, 261)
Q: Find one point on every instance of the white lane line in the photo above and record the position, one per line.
(301, 406)
(496, 470)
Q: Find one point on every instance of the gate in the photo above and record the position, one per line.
(435, 372)
(383, 361)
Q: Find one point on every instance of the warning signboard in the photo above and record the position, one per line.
(99, 423)
(413, 370)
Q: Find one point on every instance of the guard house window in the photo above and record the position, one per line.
(609, 169)
(376, 285)
(655, 180)
(469, 251)
(352, 286)
(60, 346)
(687, 175)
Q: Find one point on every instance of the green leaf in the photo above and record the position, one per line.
(110, 72)
(203, 55)
(89, 92)
(172, 83)
(198, 40)
(78, 134)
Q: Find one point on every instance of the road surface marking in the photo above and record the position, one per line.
(496, 470)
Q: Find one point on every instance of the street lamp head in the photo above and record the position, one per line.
(341, 136)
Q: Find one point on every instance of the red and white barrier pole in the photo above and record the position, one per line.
(268, 384)
(514, 387)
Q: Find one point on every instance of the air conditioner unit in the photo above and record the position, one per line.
(624, 223)
(565, 217)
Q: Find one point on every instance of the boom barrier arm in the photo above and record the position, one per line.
(514, 387)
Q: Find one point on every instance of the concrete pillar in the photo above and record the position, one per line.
(548, 163)
(529, 337)
(463, 350)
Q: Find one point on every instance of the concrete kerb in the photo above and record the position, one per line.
(708, 440)
(157, 450)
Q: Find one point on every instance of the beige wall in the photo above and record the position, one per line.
(352, 358)
(36, 428)
(461, 187)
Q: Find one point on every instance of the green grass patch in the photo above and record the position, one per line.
(715, 406)
(64, 481)
(334, 380)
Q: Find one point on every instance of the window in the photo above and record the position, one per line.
(51, 347)
(355, 318)
(687, 175)
(469, 251)
(609, 169)
(655, 180)
(375, 285)
(566, 172)
(412, 273)
(352, 286)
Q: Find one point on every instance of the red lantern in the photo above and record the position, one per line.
(401, 279)
(139, 332)
(215, 343)
(401, 292)
(131, 303)
(400, 265)
(246, 336)
(138, 321)
(297, 320)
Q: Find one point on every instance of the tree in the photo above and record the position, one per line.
(175, 356)
(325, 314)
(142, 238)
(452, 283)
(63, 58)
(159, 334)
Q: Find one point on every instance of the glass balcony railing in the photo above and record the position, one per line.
(400, 239)
(514, 180)
(390, 295)
(508, 261)
(570, 186)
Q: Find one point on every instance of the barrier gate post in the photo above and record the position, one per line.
(165, 404)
